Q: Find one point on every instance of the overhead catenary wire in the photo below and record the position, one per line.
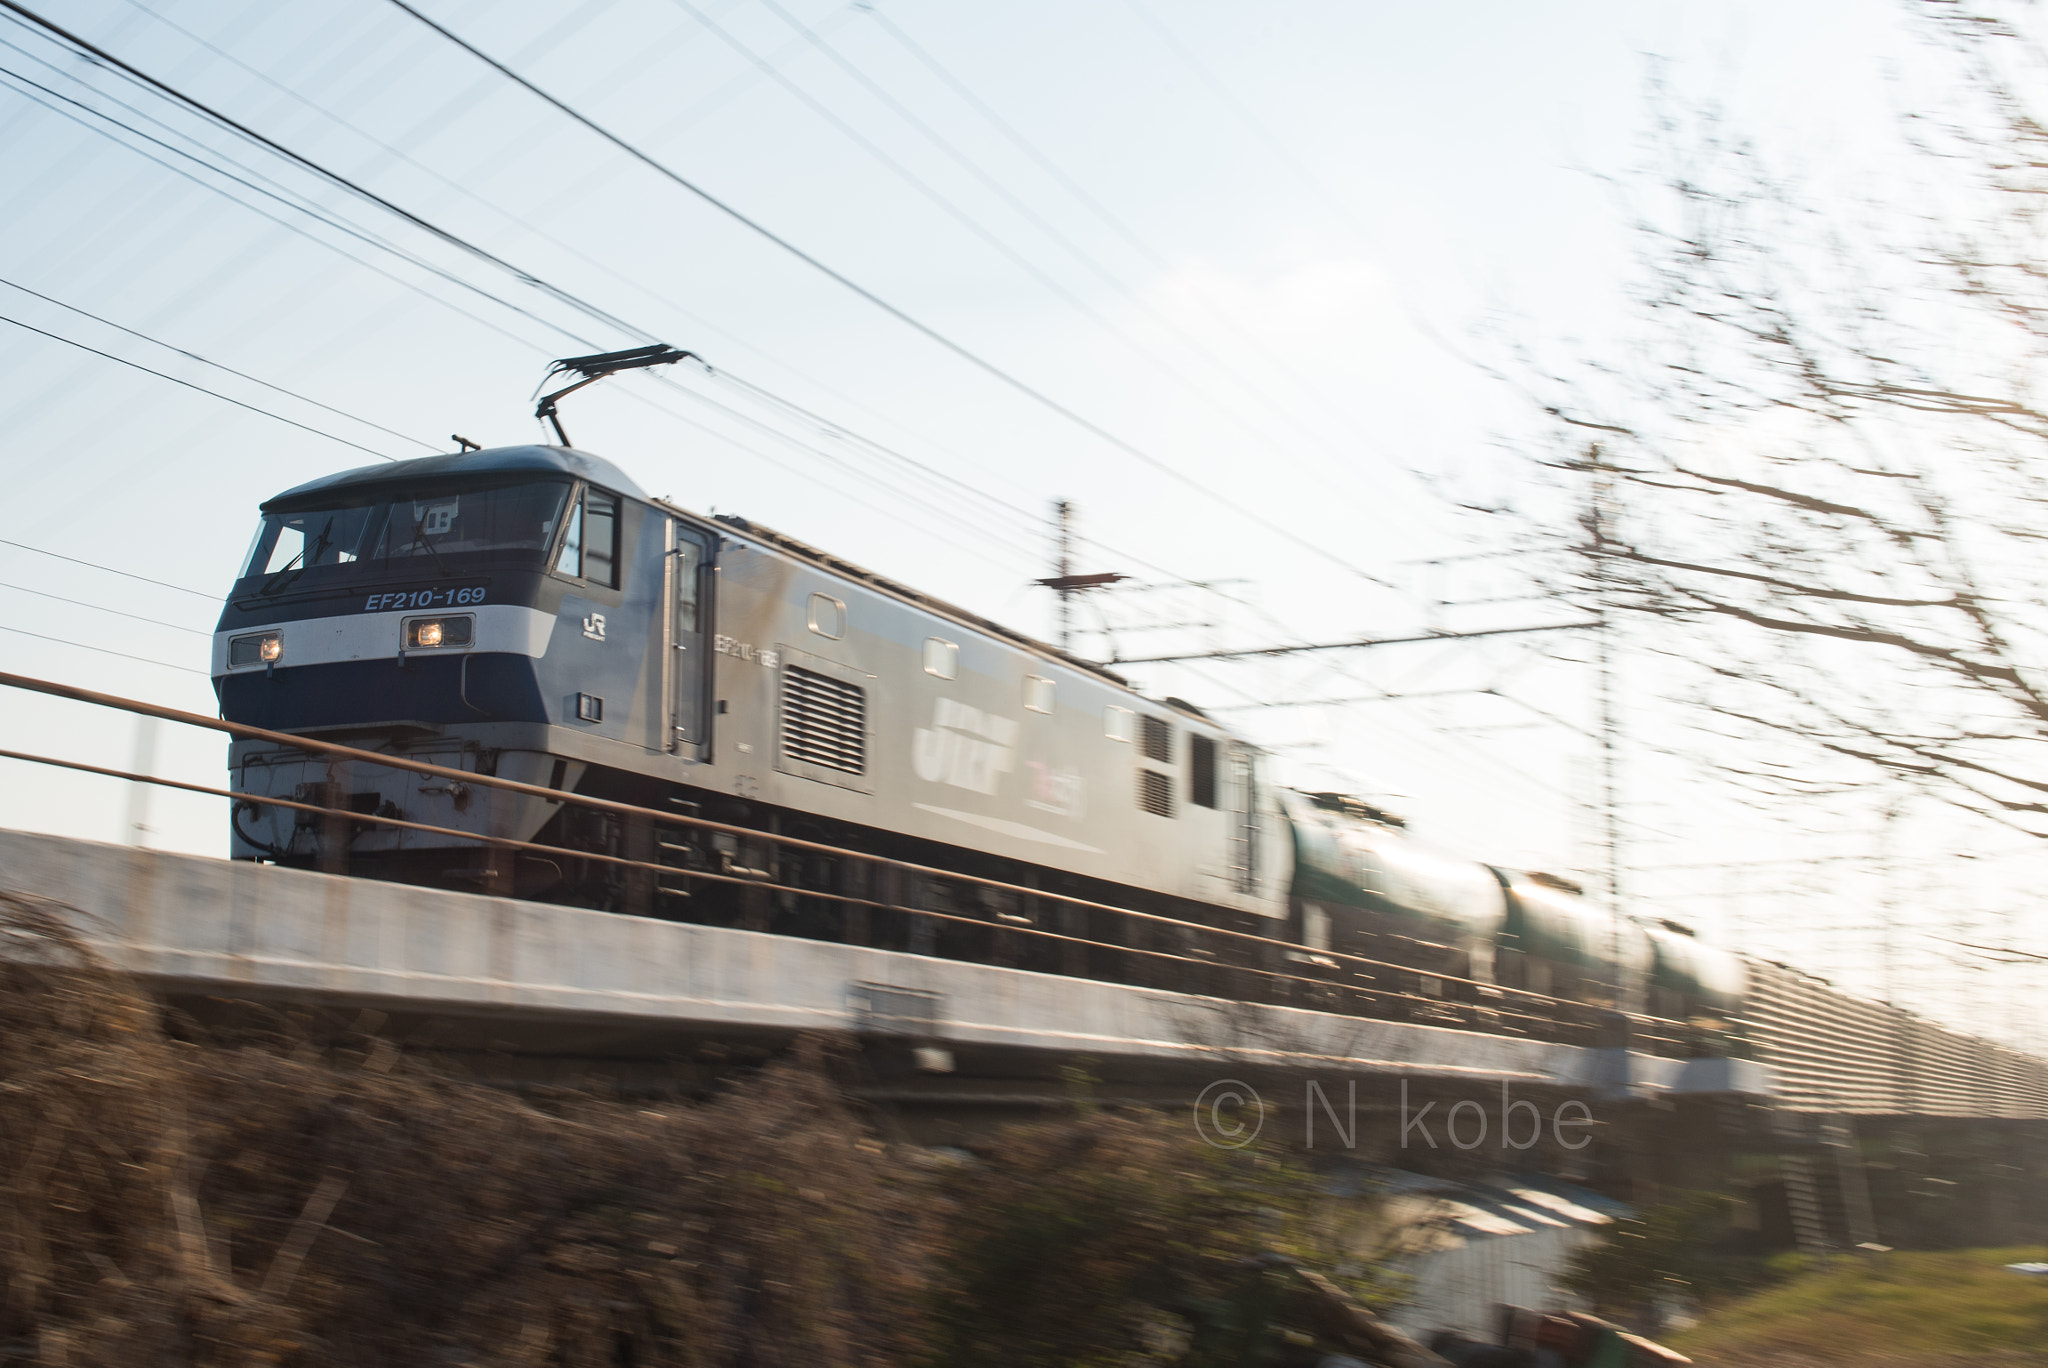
(1282, 153)
(224, 398)
(638, 282)
(311, 211)
(840, 462)
(101, 607)
(659, 408)
(103, 57)
(958, 349)
(321, 170)
(591, 310)
(204, 361)
(578, 338)
(979, 553)
(375, 199)
(125, 574)
(1230, 372)
(1195, 695)
(1242, 336)
(102, 650)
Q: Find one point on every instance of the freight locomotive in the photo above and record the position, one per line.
(528, 612)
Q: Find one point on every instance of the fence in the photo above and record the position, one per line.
(1831, 1052)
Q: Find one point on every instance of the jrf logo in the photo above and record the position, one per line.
(964, 747)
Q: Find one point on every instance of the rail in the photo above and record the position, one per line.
(1250, 967)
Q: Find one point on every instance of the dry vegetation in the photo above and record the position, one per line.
(168, 1203)
(213, 1204)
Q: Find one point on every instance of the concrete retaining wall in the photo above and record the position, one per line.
(197, 926)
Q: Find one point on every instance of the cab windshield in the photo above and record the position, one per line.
(435, 530)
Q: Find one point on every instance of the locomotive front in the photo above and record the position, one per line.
(462, 610)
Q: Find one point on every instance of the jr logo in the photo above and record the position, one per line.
(593, 626)
(964, 747)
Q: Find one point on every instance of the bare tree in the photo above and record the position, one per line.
(1828, 449)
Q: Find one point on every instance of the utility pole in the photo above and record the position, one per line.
(1063, 581)
(1888, 904)
(1063, 568)
(1599, 532)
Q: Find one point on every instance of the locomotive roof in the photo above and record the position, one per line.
(825, 560)
(512, 460)
(568, 461)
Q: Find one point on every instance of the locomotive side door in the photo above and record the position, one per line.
(1244, 821)
(689, 653)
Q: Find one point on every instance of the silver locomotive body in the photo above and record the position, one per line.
(715, 667)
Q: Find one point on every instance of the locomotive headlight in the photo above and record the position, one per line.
(428, 634)
(264, 648)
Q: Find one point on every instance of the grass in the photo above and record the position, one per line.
(1900, 1308)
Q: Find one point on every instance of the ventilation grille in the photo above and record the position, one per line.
(1155, 739)
(824, 722)
(1155, 793)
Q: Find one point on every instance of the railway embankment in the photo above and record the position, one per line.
(176, 1197)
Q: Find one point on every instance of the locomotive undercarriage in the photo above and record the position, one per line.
(728, 878)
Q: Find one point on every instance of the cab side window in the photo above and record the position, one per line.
(590, 541)
(601, 539)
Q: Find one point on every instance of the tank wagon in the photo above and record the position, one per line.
(529, 612)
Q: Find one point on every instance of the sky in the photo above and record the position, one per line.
(1236, 280)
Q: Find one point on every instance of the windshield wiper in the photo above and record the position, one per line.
(419, 538)
(298, 564)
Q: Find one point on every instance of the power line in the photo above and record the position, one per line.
(988, 501)
(310, 211)
(916, 182)
(1359, 643)
(639, 283)
(979, 553)
(101, 607)
(973, 358)
(1361, 698)
(240, 375)
(125, 574)
(416, 287)
(584, 306)
(1242, 335)
(88, 646)
(1016, 139)
(355, 188)
(443, 234)
(900, 491)
(388, 246)
(105, 58)
(137, 365)
(1231, 373)
(1281, 150)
